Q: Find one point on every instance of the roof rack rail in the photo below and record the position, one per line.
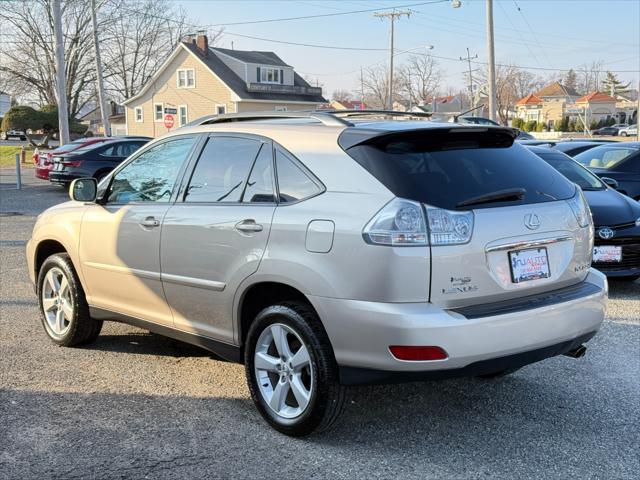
(323, 117)
(389, 113)
(329, 118)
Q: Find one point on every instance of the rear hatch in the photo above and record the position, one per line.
(501, 222)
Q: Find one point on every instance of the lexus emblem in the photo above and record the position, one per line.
(606, 233)
(531, 221)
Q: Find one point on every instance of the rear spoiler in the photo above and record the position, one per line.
(352, 136)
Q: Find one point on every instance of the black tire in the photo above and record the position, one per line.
(327, 396)
(81, 327)
(498, 374)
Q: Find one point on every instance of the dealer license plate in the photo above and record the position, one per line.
(607, 253)
(530, 264)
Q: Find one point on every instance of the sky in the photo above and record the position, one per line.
(540, 34)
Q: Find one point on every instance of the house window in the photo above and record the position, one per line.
(138, 114)
(186, 78)
(221, 109)
(280, 108)
(158, 112)
(269, 75)
(182, 115)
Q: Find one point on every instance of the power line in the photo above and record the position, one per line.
(311, 45)
(286, 19)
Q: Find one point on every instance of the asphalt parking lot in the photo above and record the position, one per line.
(137, 405)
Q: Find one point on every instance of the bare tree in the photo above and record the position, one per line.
(419, 79)
(27, 51)
(511, 85)
(590, 76)
(375, 80)
(341, 95)
(138, 36)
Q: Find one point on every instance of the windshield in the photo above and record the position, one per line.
(573, 171)
(606, 156)
(461, 170)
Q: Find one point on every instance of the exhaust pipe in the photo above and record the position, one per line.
(577, 352)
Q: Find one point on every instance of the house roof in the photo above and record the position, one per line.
(232, 81)
(239, 86)
(351, 105)
(556, 89)
(531, 99)
(596, 97)
(265, 58)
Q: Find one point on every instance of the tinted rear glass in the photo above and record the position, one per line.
(444, 169)
(573, 171)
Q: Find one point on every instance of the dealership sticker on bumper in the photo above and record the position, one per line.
(530, 264)
(607, 254)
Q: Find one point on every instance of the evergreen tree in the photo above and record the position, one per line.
(571, 80)
(612, 86)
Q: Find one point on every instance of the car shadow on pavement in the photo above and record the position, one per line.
(147, 343)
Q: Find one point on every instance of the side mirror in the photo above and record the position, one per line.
(611, 182)
(83, 190)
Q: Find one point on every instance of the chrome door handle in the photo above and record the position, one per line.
(248, 225)
(150, 222)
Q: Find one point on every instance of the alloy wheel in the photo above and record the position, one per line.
(283, 370)
(57, 303)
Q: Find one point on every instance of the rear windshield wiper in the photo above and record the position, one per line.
(497, 196)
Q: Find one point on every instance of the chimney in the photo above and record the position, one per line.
(202, 42)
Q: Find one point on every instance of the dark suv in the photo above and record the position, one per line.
(95, 160)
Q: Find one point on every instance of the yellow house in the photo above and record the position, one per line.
(198, 80)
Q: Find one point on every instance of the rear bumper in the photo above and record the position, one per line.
(61, 178)
(42, 173)
(361, 332)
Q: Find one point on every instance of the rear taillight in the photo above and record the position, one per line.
(67, 163)
(580, 208)
(399, 223)
(417, 353)
(449, 228)
(404, 223)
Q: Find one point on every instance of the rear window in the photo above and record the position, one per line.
(445, 169)
(573, 171)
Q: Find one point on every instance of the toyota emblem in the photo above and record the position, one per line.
(606, 233)
(531, 221)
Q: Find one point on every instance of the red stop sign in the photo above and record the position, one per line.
(168, 120)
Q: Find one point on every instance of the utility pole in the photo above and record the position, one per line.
(104, 112)
(392, 17)
(61, 81)
(361, 87)
(492, 62)
(469, 58)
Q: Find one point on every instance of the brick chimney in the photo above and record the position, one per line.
(202, 42)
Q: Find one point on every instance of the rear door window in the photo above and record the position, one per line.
(222, 170)
(444, 169)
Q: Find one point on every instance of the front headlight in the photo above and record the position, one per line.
(580, 208)
(638, 222)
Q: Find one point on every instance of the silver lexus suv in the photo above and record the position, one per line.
(328, 249)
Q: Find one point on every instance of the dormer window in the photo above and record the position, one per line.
(269, 75)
